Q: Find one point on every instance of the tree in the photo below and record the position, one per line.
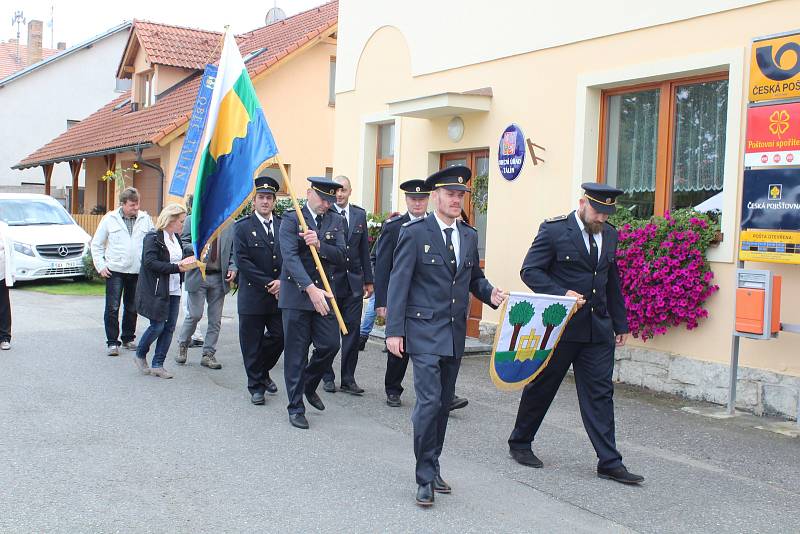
(520, 314)
(552, 317)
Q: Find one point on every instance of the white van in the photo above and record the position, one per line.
(48, 243)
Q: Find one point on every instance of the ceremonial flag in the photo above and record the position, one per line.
(236, 142)
(528, 333)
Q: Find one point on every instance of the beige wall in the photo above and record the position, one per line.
(537, 90)
(295, 102)
(166, 77)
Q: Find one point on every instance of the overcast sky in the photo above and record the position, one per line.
(79, 20)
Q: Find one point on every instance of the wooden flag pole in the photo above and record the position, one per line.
(302, 221)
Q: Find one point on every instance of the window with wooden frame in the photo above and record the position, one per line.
(384, 168)
(664, 143)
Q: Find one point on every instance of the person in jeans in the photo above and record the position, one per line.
(211, 291)
(6, 281)
(116, 253)
(165, 257)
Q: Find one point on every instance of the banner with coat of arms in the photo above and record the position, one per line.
(530, 327)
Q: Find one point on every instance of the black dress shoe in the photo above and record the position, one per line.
(525, 457)
(257, 398)
(351, 388)
(329, 386)
(362, 342)
(620, 474)
(298, 420)
(272, 388)
(458, 403)
(425, 494)
(440, 486)
(315, 401)
(393, 400)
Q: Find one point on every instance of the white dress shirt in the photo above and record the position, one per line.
(345, 212)
(598, 237)
(454, 237)
(265, 221)
(175, 255)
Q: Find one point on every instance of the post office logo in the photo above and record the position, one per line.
(775, 191)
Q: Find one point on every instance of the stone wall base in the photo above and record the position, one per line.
(758, 391)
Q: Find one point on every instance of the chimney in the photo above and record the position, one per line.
(34, 42)
(62, 45)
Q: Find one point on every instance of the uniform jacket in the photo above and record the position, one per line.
(193, 278)
(384, 254)
(427, 305)
(114, 247)
(259, 261)
(152, 288)
(299, 270)
(357, 270)
(559, 261)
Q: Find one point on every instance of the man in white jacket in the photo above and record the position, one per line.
(117, 256)
(6, 281)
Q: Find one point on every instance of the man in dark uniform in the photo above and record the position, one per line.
(307, 316)
(351, 285)
(417, 195)
(258, 256)
(436, 266)
(575, 255)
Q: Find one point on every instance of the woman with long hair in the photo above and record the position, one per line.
(158, 292)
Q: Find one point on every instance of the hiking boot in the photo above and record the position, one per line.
(160, 372)
(210, 361)
(113, 350)
(130, 345)
(183, 353)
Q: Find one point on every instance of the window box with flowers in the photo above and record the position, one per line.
(664, 273)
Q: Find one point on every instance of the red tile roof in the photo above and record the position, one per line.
(10, 63)
(115, 127)
(176, 46)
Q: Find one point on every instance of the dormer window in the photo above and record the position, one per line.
(145, 89)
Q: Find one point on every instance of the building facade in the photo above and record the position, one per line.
(616, 92)
(41, 101)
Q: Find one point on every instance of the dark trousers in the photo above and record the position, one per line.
(120, 286)
(593, 364)
(260, 352)
(160, 332)
(5, 311)
(395, 372)
(301, 328)
(435, 384)
(351, 313)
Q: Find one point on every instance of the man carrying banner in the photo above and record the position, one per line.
(436, 266)
(575, 255)
(307, 316)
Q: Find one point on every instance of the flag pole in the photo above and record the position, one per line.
(301, 220)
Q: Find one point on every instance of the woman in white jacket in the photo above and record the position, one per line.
(6, 281)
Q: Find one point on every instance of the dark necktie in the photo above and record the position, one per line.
(318, 218)
(593, 252)
(451, 251)
(270, 235)
(343, 213)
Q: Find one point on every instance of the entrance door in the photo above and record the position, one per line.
(148, 182)
(478, 162)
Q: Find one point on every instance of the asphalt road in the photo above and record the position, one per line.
(88, 445)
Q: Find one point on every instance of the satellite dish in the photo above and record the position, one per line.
(274, 14)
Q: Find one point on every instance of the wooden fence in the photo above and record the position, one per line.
(91, 222)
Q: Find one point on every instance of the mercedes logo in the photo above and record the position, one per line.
(63, 251)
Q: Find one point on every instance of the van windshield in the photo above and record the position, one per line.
(23, 212)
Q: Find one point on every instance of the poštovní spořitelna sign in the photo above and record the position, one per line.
(775, 68)
(773, 135)
(770, 216)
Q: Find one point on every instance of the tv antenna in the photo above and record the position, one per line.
(18, 19)
(274, 14)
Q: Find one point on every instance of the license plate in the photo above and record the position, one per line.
(64, 264)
